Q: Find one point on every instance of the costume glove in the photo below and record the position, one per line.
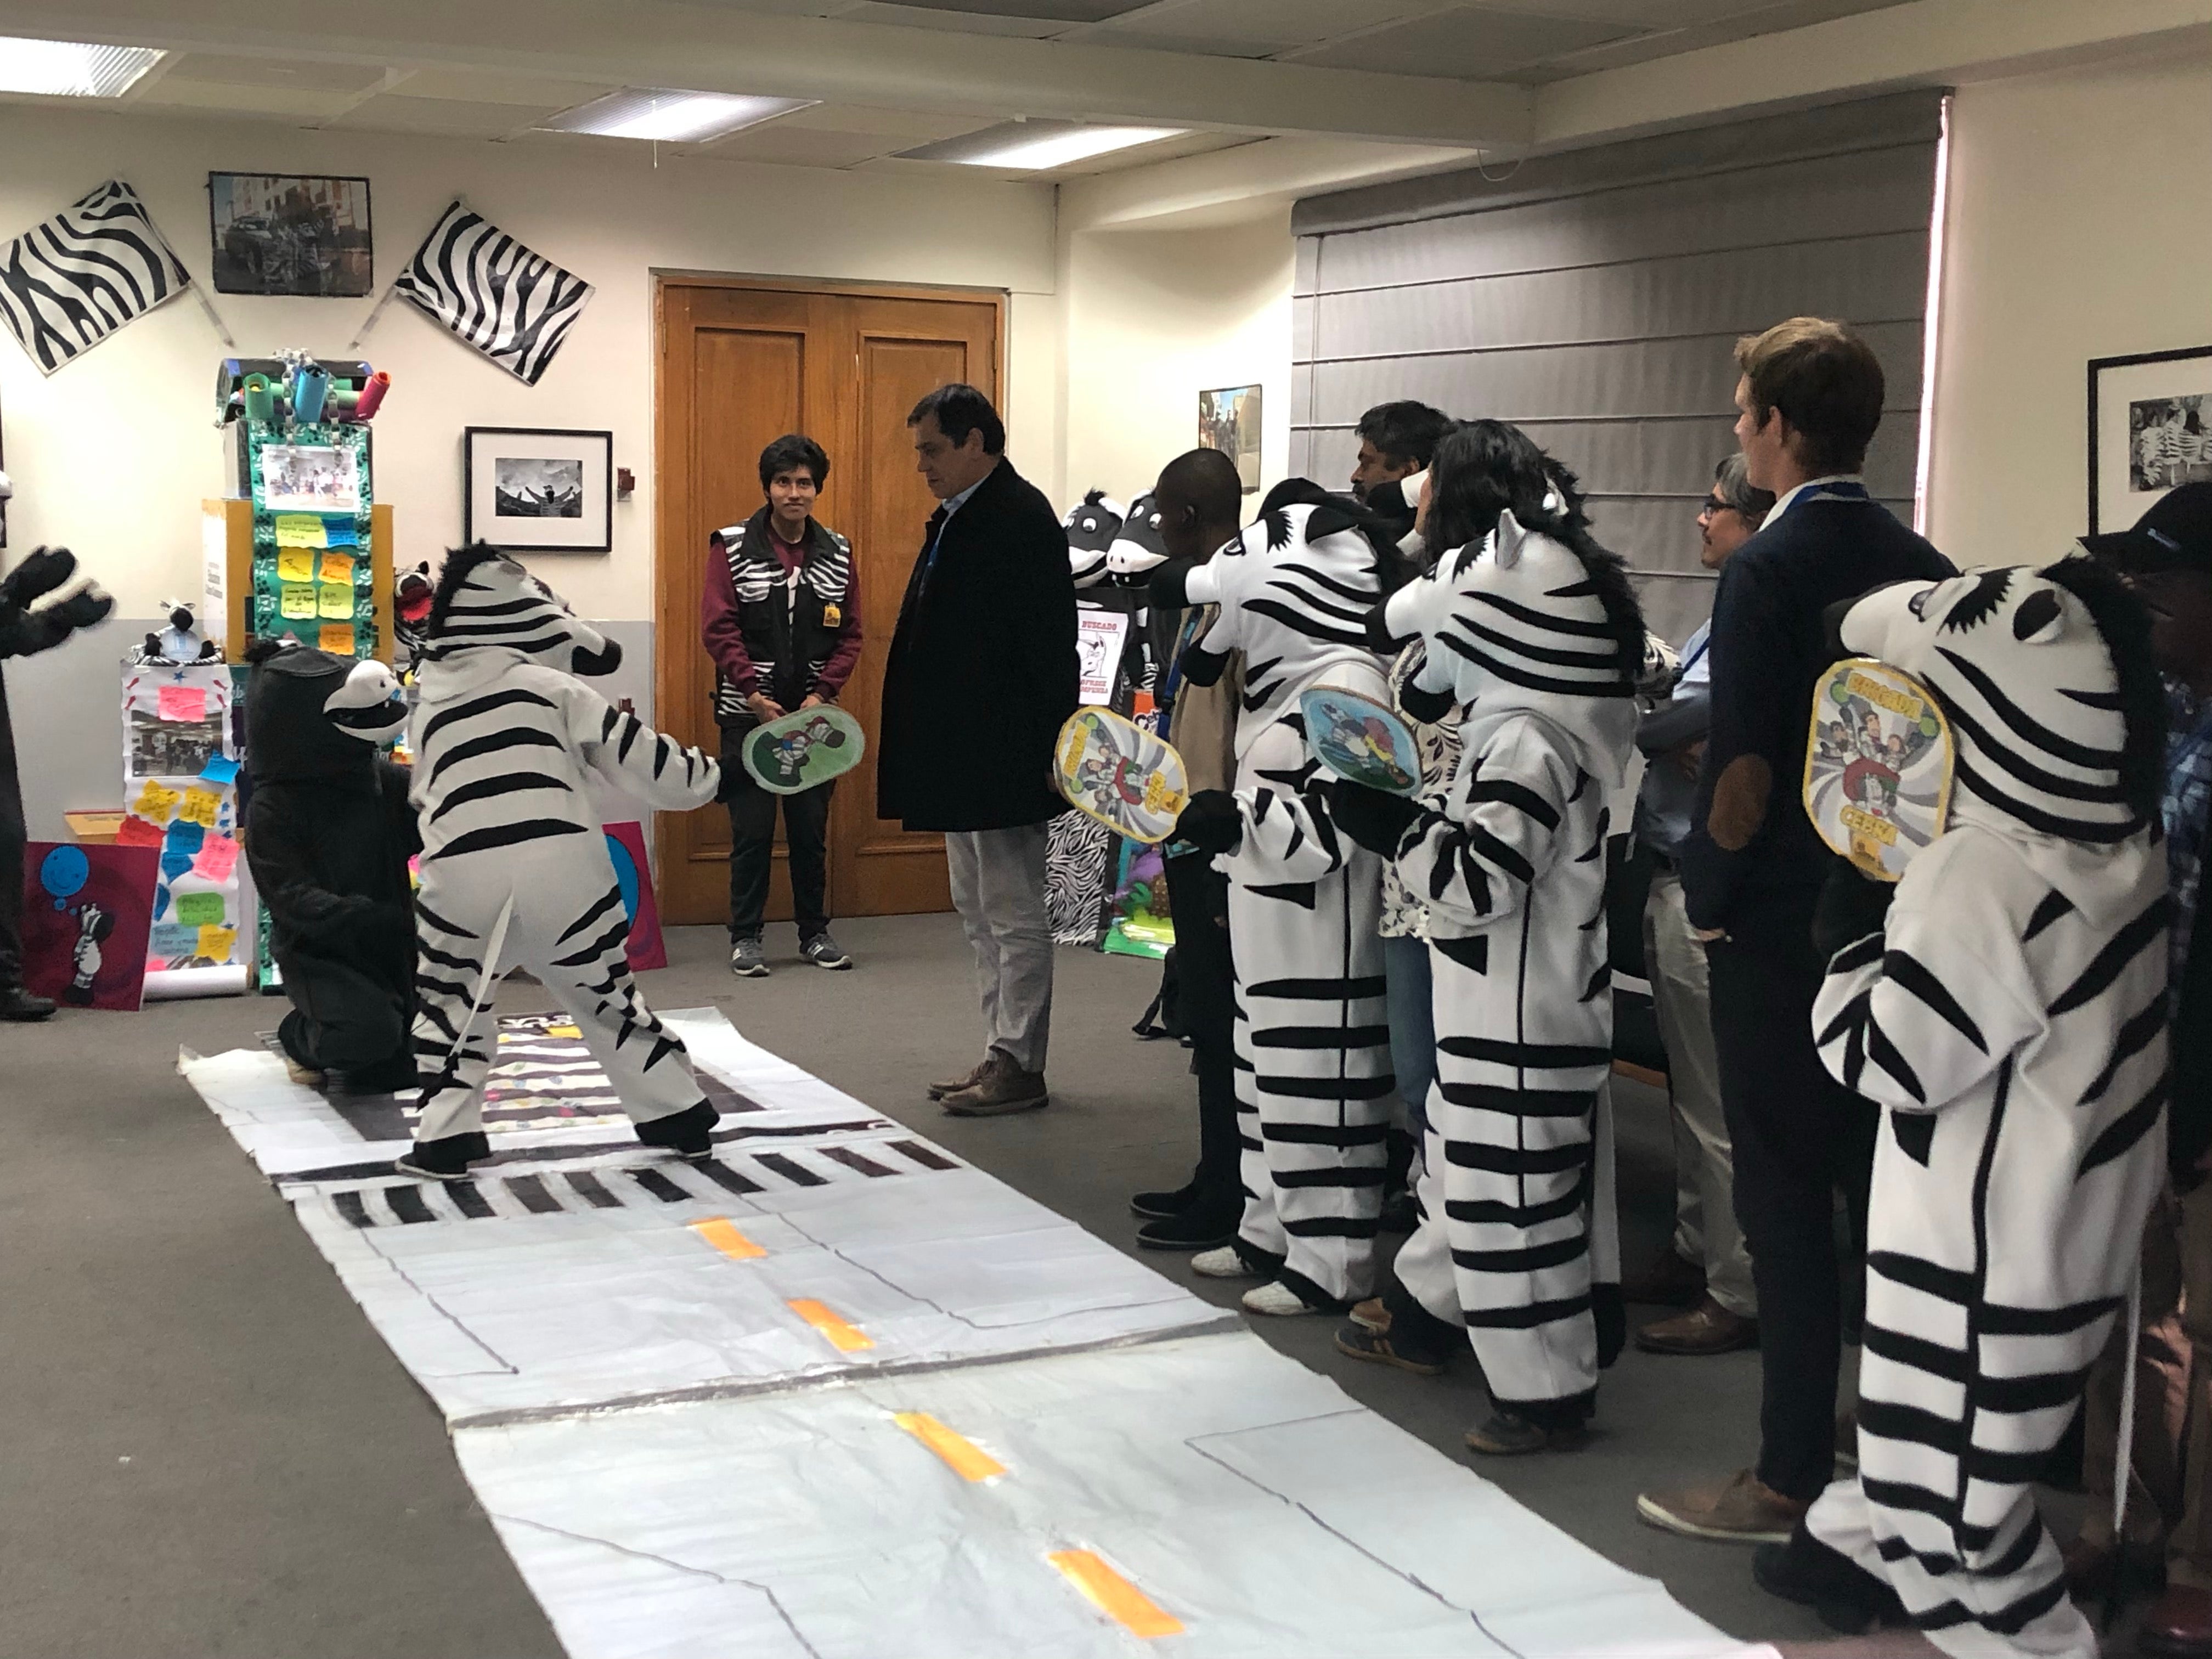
(1211, 823)
(45, 569)
(1376, 821)
(1850, 907)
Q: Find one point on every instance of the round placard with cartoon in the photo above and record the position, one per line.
(1361, 740)
(1878, 766)
(1114, 770)
(797, 750)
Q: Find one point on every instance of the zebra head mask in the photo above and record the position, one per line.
(2047, 680)
(313, 716)
(1138, 549)
(487, 601)
(1091, 525)
(1293, 590)
(1540, 620)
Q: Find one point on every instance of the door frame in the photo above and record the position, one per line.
(671, 438)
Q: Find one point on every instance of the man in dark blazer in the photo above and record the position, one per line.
(1807, 403)
(981, 675)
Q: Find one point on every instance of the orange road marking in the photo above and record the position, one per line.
(1114, 1596)
(846, 1339)
(968, 1460)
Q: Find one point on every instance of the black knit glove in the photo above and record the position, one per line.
(44, 570)
(1376, 821)
(1850, 907)
(1211, 822)
(83, 609)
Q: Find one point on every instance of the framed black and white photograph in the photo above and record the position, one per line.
(1229, 421)
(282, 233)
(546, 491)
(2150, 429)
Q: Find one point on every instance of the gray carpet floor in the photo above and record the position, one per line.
(208, 1452)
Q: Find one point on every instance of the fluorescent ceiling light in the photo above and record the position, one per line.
(71, 69)
(1033, 146)
(670, 116)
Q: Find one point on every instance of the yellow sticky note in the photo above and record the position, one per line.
(300, 530)
(722, 1233)
(336, 638)
(296, 564)
(200, 807)
(338, 567)
(154, 803)
(962, 1455)
(216, 943)
(298, 601)
(336, 600)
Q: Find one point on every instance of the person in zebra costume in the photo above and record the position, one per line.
(2005, 1003)
(1536, 634)
(514, 868)
(1312, 1052)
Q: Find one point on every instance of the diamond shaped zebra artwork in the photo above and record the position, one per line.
(514, 306)
(68, 284)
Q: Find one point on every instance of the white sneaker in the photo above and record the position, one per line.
(1275, 1297)
(1224, 1263)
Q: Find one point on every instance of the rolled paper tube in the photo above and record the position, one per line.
(372, 395)
(260, 400)
(342, 399)
(310, 386)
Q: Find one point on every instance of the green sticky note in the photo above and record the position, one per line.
(199, 910)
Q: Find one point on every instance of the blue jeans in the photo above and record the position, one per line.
(1413, 1028)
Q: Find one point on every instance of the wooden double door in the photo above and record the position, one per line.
(741, 363)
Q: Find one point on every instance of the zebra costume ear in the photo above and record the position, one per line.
(1506, 545)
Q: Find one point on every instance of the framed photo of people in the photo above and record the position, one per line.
(2150, 429)
(283, 233)
(538, 490)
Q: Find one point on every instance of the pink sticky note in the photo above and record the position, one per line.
(218, 856)
(184, 702)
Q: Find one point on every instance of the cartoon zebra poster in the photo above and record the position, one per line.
(68, 284)
(512, 305)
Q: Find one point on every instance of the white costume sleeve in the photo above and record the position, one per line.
(1472, 861)
(634, 758)
(1288, 836)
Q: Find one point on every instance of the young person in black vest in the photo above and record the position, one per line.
(1808, 400)
(781, 618)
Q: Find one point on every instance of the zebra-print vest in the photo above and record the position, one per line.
(790, 631)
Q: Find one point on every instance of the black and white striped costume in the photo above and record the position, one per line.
(1312, 1042)
(1537, 635)
(514, 866)
(2012, 1018)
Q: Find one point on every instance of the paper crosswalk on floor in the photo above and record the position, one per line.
(834, 1392)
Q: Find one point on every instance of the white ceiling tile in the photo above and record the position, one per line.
(1064, 12)
(786, 147)
(1200, 45)
(909, 127)
(1797, 15)
(451, 117)
(1464, 42)
(221, 69)
(1166, 149)
(295, 103)
(1650, 14)
(483, 86)
(1278, 23)
(918, 17)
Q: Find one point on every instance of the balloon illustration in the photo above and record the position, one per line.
(63, 872)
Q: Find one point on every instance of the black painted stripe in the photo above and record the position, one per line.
(726, 1178)
(659, 1186)
(923, 1155)
(408, 1204)
(791, 1169)
(852, 1160)
(348, 1206)
(592, 1190)
(534, 1198)
(468, 1199)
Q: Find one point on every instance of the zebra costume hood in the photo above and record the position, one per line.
(1137, 549)
(485, 600)
(1091, 525)
(313, 717)
(1531, 620)
(2011, 1015)
(1293, 588)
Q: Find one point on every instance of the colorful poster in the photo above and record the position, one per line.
(87, 911)
(1139, 922)
(1360, 740)
(1877, 765)
(180, 781)
(1114, 770)
(634, 872)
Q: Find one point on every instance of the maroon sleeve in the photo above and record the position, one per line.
(835, 671)
(718, 620)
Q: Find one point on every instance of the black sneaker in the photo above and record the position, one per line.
(19, 1005)
(1359, 1341)
(820, 950)
(1203, 1226)
(689, 1133)
(445, 1159)
(747, 961)
(1161, 1206)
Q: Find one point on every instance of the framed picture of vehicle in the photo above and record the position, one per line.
(282, 233)
(538, 490)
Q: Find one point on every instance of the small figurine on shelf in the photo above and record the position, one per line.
(410, 606)
(180, 641)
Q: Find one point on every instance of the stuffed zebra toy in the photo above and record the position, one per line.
(2010, 1014)
(1312, 1044)
(1091, 525)
(1536, 634)
(514, 867)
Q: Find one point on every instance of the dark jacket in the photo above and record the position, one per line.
(2189, 1120)
(1769, 643)
(982, 668)
(765, 636)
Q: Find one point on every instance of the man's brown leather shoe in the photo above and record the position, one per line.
(2178, 1624)
(1743, 1510)
(1003, 1087)
(1706, 1329)
(953, 1086)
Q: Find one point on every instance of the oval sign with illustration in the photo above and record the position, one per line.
(797, 750)
(1114, 770)
(1361, 740)
(1878, 766)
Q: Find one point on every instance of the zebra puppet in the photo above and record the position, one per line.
(2010, 1013)
(515, 869)
(1312, 1044)
(1536, 634)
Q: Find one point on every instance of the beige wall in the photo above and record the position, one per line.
(1152, 317)
(2081, 227)
(114, 452)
